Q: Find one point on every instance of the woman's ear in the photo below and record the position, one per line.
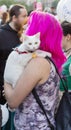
(68, 37)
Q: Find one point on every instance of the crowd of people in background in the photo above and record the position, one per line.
(55, 37)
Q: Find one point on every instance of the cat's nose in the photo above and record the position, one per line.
(33, 47)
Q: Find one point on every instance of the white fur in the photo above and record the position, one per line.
(5, 114)
(31, 43)
(17, 62)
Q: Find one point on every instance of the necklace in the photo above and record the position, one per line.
(67, 50)
(68, 53)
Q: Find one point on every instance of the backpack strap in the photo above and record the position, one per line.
(42, 107)
(65, 87)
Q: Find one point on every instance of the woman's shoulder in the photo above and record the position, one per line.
(39, 62)
(40, 67)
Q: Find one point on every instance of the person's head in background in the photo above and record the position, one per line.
(5, 18)
(53, 7)
(66, 42)
(18, 15)
(50, 34)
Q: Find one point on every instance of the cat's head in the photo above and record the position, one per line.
(32, 43)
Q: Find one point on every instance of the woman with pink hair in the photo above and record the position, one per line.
(51, 34)
(35, 96)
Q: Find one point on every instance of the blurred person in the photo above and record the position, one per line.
(40, 74)
(53, 7)
(9, 35)
(9, 38)
(66, 73)
(39, 6)
(4, 18)
(3, 14)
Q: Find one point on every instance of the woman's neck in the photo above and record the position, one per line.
(68, 52)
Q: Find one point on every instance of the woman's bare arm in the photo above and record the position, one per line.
(36, 72)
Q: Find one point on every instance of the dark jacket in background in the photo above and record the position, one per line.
(8, 40)
(0, 117)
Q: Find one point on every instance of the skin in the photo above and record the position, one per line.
(66, 42)
(36, 73)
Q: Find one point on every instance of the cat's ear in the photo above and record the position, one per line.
(38, 35)
(22, 38)
(25, 37)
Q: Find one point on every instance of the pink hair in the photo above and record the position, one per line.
(50, 34)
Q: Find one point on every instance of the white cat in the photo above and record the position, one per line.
(20, 56)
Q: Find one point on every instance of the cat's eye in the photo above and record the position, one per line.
(36, 42)
(30, 43)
